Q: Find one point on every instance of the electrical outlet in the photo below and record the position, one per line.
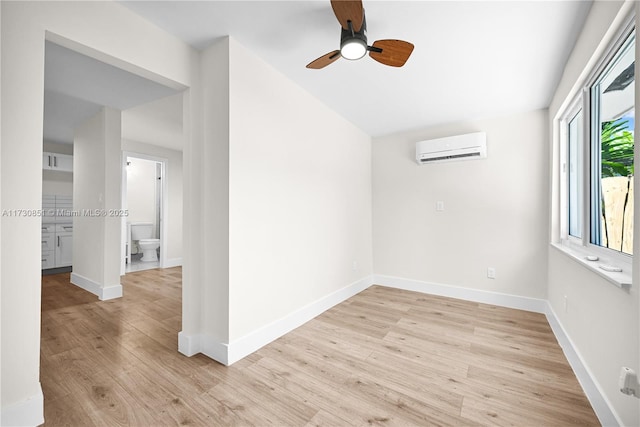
(491, 273)
(566, 304)
(440, 206)
(354, 266)
(628, 382)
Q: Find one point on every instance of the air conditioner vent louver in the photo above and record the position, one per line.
(451, 157)
(459, 147)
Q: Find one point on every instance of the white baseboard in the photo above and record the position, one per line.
(172, 262)
(111, 292)
(487, 297)
(215, 349)
(86, 284)
(592, 390)
(601, 405)
(259, 338)
(29, 412)
(189, 345)
(107, 293)
(228, 354)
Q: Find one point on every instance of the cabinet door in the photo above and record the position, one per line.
(57, 162)
(64, 253)
(48, 242)
(48, 259)
(63, 162)
(47, 160)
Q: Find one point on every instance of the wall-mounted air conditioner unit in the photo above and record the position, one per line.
(459, 147)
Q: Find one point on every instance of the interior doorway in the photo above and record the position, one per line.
(144, 196)
(76, 88)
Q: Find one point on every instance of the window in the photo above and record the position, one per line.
(597, 154)
(574, 146)
(612, 126)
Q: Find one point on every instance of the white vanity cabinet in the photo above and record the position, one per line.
(57, 245)
(57, 231)
(57, 162)
(64, 241)
(48, 246)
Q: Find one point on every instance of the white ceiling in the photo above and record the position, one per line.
(77, 87)
(471, 59)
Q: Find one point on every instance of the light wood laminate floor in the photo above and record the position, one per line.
(383, 357)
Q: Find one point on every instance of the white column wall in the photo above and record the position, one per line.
(22, 91)
(206, 320)
(133, 44)
(285, 206)
(112, 202)
(96, 195)
(189, 338)
(88, 194)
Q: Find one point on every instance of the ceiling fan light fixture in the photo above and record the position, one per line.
(353, 39)
(353, 48)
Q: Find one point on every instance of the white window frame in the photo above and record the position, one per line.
(576, 106)
(581, 248)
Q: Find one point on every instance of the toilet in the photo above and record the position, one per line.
(142, 233)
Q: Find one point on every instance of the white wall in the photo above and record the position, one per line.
(22, 105)
(299, 197)
(206, 305)
(88, 238)
(96, 192)
(56, 182)
(158, 122)
(601, 319)
(495, 209)
(135, 45)
(285, 193)
(174, 202)
(57, 147)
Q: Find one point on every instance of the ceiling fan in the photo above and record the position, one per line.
(353, 39)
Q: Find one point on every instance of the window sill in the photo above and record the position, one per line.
(621, 279)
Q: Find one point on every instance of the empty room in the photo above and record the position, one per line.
(326, 212)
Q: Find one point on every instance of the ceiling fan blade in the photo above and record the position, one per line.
(324, 60)
(391, 52)
(349, 10)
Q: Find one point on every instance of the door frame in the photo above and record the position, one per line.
(163, 207)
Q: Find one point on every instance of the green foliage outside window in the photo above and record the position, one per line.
(617, 149)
